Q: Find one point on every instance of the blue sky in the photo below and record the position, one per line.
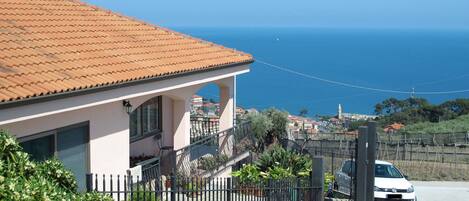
(432, 14)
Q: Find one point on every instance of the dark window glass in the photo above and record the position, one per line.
(40, 149)
(145, 120)
(69, 144)
(71, 150)
(387, 171)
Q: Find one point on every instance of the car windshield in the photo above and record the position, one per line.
(387, 171)
(381, 170)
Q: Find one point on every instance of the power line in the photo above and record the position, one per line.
(358, 86)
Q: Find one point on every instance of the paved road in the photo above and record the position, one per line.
(441, 191)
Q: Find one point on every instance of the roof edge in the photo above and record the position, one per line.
(55, 96)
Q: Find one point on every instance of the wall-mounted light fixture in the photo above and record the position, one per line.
(127, 106)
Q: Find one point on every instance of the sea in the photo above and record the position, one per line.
(391, 59)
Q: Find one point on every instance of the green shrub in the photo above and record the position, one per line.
(248, 174)
(277, 164)
(141, 194)
(212, 162)
(278, 156)
(25, 180)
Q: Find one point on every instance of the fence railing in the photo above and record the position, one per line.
(397, 150)
(176, 188)
(202, 127)
(416, 138)
(211, 152)
(150, 169)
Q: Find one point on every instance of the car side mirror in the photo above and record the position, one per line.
(406, 177)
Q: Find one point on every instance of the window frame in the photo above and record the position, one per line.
(157, 131)
(55, 132)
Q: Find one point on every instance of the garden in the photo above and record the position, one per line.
(27, 180)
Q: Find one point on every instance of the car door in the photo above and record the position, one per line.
(343, 177)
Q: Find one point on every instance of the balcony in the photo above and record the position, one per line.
(211, 153)
(202, 127)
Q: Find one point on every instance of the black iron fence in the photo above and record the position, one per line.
(204, 189)
(335, 156)
(202, 127)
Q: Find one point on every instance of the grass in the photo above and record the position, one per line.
(460, 124)
(433, 171)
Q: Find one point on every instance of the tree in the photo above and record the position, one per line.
(260, 125)
(303, 112)
(279, 120)
(415, 110)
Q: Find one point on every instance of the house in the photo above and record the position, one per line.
(95, 88)
(196, 104)
(393, 128)
(301, 125)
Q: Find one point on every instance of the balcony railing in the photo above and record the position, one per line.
(202, 127)
(212, 151)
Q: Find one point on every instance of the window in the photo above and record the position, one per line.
(146, 119)
(68, 144)
(387, 171)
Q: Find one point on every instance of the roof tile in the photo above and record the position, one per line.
(55, 46)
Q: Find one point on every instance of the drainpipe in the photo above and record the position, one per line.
(234, 101)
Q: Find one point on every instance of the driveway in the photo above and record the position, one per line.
(441, 191)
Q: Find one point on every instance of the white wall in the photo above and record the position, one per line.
(109, 147)
(109, 138)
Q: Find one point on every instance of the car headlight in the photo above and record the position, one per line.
(377, 189)
(410, 189)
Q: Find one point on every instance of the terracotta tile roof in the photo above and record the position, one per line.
(57, 46)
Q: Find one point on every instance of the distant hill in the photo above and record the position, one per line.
(460, 124)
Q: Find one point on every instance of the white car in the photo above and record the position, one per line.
(390, 183)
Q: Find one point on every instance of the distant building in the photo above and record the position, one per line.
(196, 104)
(353, 116)
(393, 128)
(302, 125)
(339, 112)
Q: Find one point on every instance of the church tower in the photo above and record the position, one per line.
(339, 112)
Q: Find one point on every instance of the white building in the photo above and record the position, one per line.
(95, 88)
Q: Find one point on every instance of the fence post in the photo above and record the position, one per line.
(370, 172)
(89, 182)
(173, 186)
(317, 179)
(268, 189)
(228, 189)
(361, 164)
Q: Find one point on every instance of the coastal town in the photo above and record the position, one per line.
(298, 127)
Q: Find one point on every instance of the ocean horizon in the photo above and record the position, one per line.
(394, 59)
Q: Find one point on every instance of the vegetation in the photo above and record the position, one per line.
(416, 110)
(248, 174)
(354, 125)
(279, 157)
(23, 179)
(268, 126)
(460, 124)
(276, 163)
(212, 162)
(303, 112)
